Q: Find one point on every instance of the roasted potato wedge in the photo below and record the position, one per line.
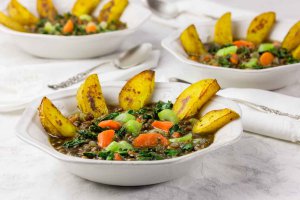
(20, 14)
(214, 120)
(90, 98)
(223, 30)
(113, 10)
(53, 121)
(46, 9)
(137, 92)
(191, 42)
(10, 23)
(194, 97)
(292, 38)
(82, 7)
(260, 27)
(296, 52)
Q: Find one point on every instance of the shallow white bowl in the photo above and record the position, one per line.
(125, 173)
(269, 78)
(79, 47)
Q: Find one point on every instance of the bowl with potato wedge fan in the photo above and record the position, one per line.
(279, 41)
(74, 46)
(44, 118)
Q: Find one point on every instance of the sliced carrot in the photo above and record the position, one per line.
(234, 58)
(111, 124)
(91, 27)
(68, 27)
(243, 43)
(105, 138)
(176, 135)
(139, 119)
(266, 59)
(163, 125)
(117, 156)
(150, 140)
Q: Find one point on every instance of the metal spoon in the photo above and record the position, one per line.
(124, 60)
(166, 9)
(254, 106)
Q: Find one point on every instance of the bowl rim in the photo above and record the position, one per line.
(30, 111)
(146, 15)
(173, 37)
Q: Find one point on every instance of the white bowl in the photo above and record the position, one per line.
(269, 78)
(125, 173)
(79, 47)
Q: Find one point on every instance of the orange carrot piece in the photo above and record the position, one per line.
(176, 135)
(243, 43)
(68, 27)
(163, 125)
(117, 156)
(234, 59)
(150, 140)
(110, 124)
(105, 138)
(266, 59)
(91, 27)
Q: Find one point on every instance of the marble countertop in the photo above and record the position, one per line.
(255, 167)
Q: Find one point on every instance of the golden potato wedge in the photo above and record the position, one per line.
(82, 7)
(296, 52)
(260, 27)
(53, 121)
(223, 30)
(292, 38)
(137, 92)
(214, 120)
(46, 9)
(191, 42)
(90, 98)
(194, 97)
(113, 10)
(10, 23)
(20, 14)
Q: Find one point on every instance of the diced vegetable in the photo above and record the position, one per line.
(124, 117)
(168, 115)
(150, 140)
(265, 47)
(266, 59)
(234, 59)
(214, 120)
(68, 27)
(85, 17)
(163, 125)
(105, 138)
(251, 63)
(117, 156)
(243, 43)
(111, 124)
(116, 146)
(184, 139)
(49, 28)
(133, 127)
(226, 51)
(91, 27)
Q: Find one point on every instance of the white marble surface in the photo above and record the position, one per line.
(255, 167)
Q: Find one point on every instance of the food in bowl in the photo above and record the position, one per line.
(253, 52)
(79, 22)
(136, 129)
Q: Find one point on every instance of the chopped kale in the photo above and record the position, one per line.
(74, 142)
(85, 134)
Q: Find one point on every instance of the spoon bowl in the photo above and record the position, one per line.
(164, 9)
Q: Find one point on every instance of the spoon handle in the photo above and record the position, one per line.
(76, 78)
